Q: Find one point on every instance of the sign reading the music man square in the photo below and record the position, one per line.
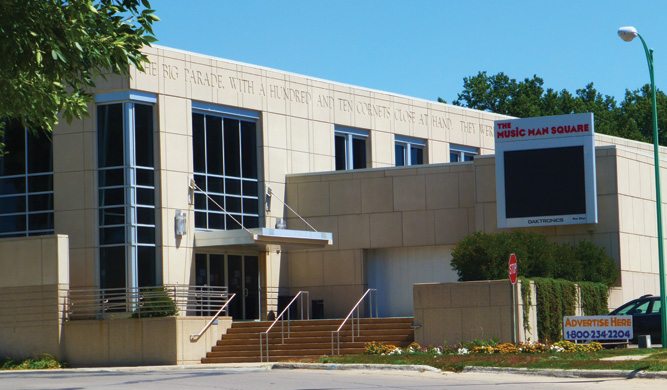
(583, 328)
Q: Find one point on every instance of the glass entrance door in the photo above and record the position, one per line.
(241, 276)
(251, 287)
(210, 271)
(235, 286)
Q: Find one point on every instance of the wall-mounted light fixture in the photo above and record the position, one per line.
(269, 194)
(181, 223)
(191, 191)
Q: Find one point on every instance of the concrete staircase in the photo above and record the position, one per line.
(308, 338)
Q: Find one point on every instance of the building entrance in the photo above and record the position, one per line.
(240, 273)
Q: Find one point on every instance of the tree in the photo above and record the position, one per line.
(488, 93)
(636, 114)
(501, 94)
(53, 50)
(483, 256)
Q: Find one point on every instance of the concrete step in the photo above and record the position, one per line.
(300, 333)
(238, 344)
(286, 346)
(298, 329)
(287, 353)
(306, 338)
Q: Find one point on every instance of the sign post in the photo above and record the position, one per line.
(513, 275)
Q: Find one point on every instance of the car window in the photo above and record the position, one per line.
(639, 307)
(656, 307)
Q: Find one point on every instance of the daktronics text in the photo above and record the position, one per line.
(546, 220)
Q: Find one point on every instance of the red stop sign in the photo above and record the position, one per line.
(512, 268)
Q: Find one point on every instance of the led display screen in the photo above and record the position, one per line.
(545, 171)
(545, 182)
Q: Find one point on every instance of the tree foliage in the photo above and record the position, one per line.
(631, 119)
(53, 50)
(483, 256)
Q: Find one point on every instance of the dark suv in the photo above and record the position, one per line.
(645, 312)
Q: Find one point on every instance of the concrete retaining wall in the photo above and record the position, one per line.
(450, 313)
(139, 341)
(34, 275)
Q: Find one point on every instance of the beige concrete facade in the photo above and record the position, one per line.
(402, 207)
(34, 278)
(452, 313)
(139, 341)
(440, 204)
(391, 226)
(298, 117)
(34, 275)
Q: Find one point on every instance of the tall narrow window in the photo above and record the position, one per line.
(226, 169)
(459, 153)
(409, 151)
(126, 180)
(350, 148)
(26, 182)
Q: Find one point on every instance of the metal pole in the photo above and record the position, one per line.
(514, 322)
(658, 200)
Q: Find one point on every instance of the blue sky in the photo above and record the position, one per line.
(424, 49)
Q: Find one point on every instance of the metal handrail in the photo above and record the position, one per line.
(195, 337)
(265, 334)
(351, 314)
(185, 299)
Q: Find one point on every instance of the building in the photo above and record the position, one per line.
(385, 185)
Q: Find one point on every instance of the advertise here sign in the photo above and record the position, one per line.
(584, 328)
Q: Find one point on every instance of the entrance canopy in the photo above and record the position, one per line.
(263, 239)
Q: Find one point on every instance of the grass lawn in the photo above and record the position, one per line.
(656, 360)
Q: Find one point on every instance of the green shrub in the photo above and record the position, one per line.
(482, 256)
(527, 302)
(594, 298)
(41, 362)
(482, 343)
(155, 302)
(555, 299)
(595, 265)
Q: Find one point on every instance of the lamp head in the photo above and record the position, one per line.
(627, 33)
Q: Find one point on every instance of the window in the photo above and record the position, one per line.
(638, 307)
(126, 185)
(350, 147)
(409, 151)
(226, 168)
(656, 306)
(26, 182)
(458, 153)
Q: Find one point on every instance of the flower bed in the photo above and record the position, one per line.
(491, 348)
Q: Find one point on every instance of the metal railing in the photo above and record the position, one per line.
(152, 301)
(195, 337)
(368, 294)
(265, 334)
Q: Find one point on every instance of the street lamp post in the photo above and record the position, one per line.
(628, 34)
